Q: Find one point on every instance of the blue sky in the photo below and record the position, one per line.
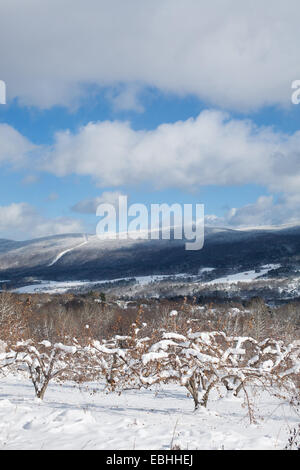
(168, 117)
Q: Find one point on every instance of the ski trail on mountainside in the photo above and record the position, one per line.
(63, 253)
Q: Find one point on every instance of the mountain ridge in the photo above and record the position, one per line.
(78, 256)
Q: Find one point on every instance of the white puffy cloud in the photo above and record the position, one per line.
(20, 220)
(264, 212)
(126, 98)
(89, 206)
(232, 54)
(212, 149)
(14, 148)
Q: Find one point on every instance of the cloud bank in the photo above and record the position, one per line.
(21, 220)
(212, 149)
(232, 54)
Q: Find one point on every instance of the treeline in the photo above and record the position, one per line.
(52, 317)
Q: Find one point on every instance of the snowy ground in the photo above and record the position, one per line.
(76, 419)
(60, 287)
(246, 276)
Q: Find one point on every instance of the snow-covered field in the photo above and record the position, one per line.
(51, 287)
(160, 418)
(246, 276)
(60, 287)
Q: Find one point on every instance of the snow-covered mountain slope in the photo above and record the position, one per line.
(80, 257)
